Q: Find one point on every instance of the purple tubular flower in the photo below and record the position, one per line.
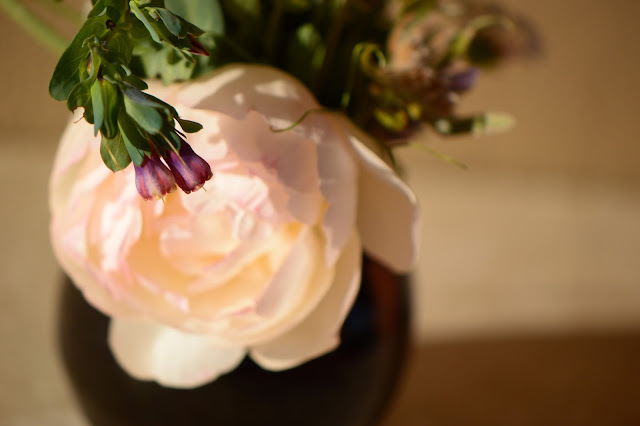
(189, 169)
(463, 80)
(153, 179)
(197, 48)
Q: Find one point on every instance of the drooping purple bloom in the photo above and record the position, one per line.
(188, 168)
(462, 81)
(197, 48)
(153, 179)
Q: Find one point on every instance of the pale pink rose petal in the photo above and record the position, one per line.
(268, 257)
(74, 144)
(284, 163)
(319, 332)
(75, 173)
(237, 89)
(150, 351)
(388, 214)
(287, 287)
(338, 185)
(292, 292)
(70, 251)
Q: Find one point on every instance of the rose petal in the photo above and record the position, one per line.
(237, 89)
(388, 215)
(319, 332)
(294, 290)
(338, 185)
(150, 351)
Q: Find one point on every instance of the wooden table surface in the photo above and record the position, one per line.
(545, 381)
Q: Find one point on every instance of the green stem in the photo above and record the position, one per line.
(35, 26)
(63, 10)
(331, 45)
(271, 36)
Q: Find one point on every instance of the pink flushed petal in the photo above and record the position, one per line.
(319, 332)
(282, 305)
(151, 351)
(209, 237)
(70, 252)
(338, 185)
(253, 197)
(237, 89)
(284, 162)
(76, 139)
(263, 256)
(287, 287)
(388, 214)
(175, 269)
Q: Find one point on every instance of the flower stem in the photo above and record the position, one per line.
(271, 36)
(333, 38)
(63, 10)
(35, 26)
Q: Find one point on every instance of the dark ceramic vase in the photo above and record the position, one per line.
(348, 387)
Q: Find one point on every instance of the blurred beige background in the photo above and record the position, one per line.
(540, 237)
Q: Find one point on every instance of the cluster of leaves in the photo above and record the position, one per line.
(94, 73)
(339, 48)
(433, 56)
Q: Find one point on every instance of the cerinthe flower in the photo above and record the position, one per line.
(153, 179)
(197, 48)
(188, 168)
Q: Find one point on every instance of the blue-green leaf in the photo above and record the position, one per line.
(206, 14)
(114, 154)
(189, 126)
(145, 116)
(67, 72)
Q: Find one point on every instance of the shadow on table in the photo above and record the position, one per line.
(564, 380)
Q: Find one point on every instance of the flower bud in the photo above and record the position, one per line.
(197, 48)
(153, 179)
(463, 80)
(188, 168)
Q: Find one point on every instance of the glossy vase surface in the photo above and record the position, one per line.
(348, 387)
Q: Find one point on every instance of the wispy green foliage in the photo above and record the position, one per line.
(94, 73)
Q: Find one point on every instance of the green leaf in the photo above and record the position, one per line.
(111, 99)
(136, 82)
(143, 16)
(206, 14)
(80, 95)
(137, 145)
(158, 63)
(120, 47)
(175, 140)
(141, 98)
(115, 8)
(177, 26)
(98, 106)
(243, 10)
(67, 72)
(305, 53)
(395, 121)
(114, 154)
(485, 123)
(189, 126)
(88, 112)
(147, 117)
(98, 7)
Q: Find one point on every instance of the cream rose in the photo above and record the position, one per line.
(265, 261)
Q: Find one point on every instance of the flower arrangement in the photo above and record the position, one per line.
(277, 121)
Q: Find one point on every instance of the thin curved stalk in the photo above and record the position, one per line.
(35, 26)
